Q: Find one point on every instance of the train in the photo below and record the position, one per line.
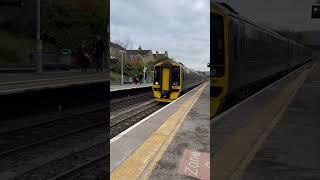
(171, 79)
(244, 53)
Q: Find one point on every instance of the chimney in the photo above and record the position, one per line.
(166, 53)
(140, 48)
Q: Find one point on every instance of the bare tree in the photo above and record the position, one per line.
(126, 43)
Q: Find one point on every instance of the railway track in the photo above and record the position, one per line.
(123, 102)
(37, 133)
(127, 119)
(91, 162)
(69, 129)
(71, 166)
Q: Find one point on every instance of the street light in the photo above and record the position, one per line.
(122, 51)
(39, 44)
(144, 70)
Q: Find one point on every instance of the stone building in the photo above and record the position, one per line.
(158, 56)
(115, 53)
(140, 55)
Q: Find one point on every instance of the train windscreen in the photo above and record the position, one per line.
(217, 66)
(175, 76)
(156, 79)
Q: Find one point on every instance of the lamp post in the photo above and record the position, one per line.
(122, 52)
(144, 70)
(144, 74)
(39, 44)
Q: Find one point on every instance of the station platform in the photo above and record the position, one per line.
(13, 83)
(273, 134)
(121, 87)
(172, 143)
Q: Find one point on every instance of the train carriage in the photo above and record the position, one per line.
(244, 53)
(172, 78)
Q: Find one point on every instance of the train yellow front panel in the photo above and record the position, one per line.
(165, 79)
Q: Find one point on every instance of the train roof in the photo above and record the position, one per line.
(228, 10)
(178, 64)
(171, 62)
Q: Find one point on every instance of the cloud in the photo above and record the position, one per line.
(180, 27)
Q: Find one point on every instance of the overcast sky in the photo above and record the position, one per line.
(293, 14)
(181, 27)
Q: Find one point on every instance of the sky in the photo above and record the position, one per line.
(180, 27)
(283, 14)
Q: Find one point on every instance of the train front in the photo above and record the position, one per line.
(167, 83)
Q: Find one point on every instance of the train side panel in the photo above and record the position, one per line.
(254, 54)
(244, 53)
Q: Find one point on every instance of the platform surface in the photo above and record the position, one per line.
(120, 87)
(12, 83)
(273, 134)
(153, 140)
(188, 154)
(12, 77)
(292, 149)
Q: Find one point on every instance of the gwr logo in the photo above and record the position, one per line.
(195, 164)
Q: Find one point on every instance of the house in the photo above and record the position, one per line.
(115, 53)
(159, 56)
(140, 55)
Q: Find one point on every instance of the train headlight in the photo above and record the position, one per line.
(156, 83)
(175, 84)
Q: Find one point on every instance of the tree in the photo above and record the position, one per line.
(134, 68)
(125, 43)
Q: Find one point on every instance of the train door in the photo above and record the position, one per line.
(219, 63)
(165, 79)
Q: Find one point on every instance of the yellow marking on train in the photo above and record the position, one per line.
(217, 102)
(165, 79)
(143, 161)
(215, 107)
(233, 158)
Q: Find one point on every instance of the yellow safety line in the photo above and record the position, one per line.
(143, 161)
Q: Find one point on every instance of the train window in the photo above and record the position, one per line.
(218, 45)
(175, 76)
(156, 79)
